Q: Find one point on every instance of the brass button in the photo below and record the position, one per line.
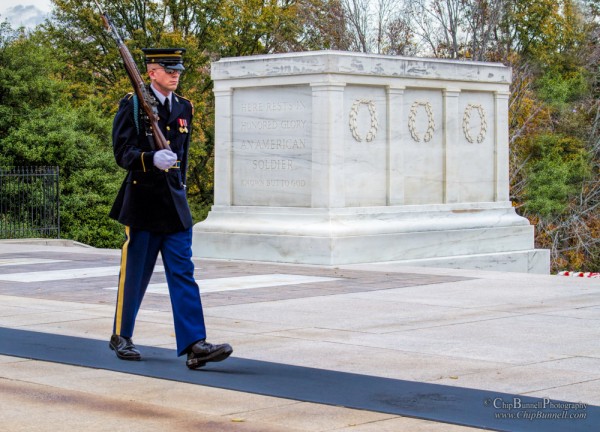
(168, 127)
(135, 182)
(169, 142)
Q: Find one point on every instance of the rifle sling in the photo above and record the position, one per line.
(136, 117)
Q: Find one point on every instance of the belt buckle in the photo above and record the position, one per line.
(176, 165)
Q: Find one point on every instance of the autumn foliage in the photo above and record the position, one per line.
(60, 83)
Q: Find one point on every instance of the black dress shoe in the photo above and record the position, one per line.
(124, 348)
(203, 352)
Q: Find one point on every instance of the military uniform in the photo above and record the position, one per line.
(149, 198)
(152, 205)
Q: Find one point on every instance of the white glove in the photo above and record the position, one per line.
(164, 159)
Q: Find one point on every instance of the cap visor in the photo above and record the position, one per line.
(177, 67)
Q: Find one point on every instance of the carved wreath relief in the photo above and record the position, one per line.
(467, 119)
(412, 127)
(412, 120)
(372, 133)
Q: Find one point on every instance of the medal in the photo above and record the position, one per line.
(182, 125)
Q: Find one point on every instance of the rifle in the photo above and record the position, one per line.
(148, 101)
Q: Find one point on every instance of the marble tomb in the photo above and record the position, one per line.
(335, 158)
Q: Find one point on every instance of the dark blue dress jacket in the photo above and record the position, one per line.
(151, 199)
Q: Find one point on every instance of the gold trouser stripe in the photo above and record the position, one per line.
(121, 290)
(143, 164)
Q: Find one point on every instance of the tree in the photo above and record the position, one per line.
(482, 22)
(381, 27)
(41, 127)
(553, 161)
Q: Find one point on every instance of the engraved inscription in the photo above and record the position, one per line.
(296, 105)
(272, 148)
(272, 164)
(271, 124)
(274, 144)
(275, 183)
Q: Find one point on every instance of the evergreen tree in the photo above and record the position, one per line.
(40, 126)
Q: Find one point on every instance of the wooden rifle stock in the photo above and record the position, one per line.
(147, 101)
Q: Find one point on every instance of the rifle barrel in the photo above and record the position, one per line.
(136, 81)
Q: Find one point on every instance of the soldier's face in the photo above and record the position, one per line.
(163, 81)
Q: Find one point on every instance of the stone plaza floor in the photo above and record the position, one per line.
(370, 347)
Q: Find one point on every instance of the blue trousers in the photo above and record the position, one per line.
(138, 258)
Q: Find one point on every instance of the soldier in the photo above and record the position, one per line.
(152, 204)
